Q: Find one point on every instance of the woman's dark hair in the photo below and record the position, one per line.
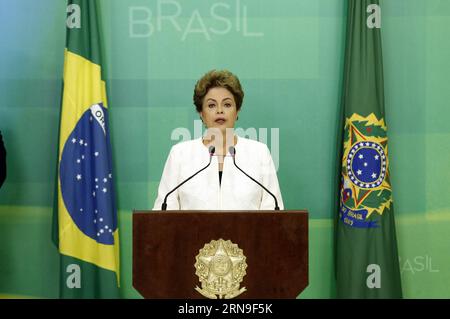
(218, 78)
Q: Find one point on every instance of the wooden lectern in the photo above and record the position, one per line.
(166, 243)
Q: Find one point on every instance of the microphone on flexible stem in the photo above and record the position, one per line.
(232, 150)
(212, 150)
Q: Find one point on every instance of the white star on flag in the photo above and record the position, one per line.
(78, 176)
(359, 172)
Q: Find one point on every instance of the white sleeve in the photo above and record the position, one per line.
(169, 180)
(270, 181)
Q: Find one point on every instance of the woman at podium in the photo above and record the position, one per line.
(219, 171)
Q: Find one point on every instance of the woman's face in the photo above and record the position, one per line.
(219, 109)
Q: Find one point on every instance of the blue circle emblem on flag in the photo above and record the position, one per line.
(86, 177)
(366, 164)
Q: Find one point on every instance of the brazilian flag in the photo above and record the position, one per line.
(85, 221)
(367, 264)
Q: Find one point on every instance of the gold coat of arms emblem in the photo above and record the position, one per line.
(221, 267)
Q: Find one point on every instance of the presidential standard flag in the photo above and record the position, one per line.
(86, 217)
(367, 264)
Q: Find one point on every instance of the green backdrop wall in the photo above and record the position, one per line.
(289, 57)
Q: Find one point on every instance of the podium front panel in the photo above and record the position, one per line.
(165, 246)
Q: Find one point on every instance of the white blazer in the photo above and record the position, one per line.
(203, 192)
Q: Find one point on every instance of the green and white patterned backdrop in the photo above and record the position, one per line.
(288, 55)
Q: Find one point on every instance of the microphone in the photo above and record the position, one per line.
(211, 150)
(232, 150)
